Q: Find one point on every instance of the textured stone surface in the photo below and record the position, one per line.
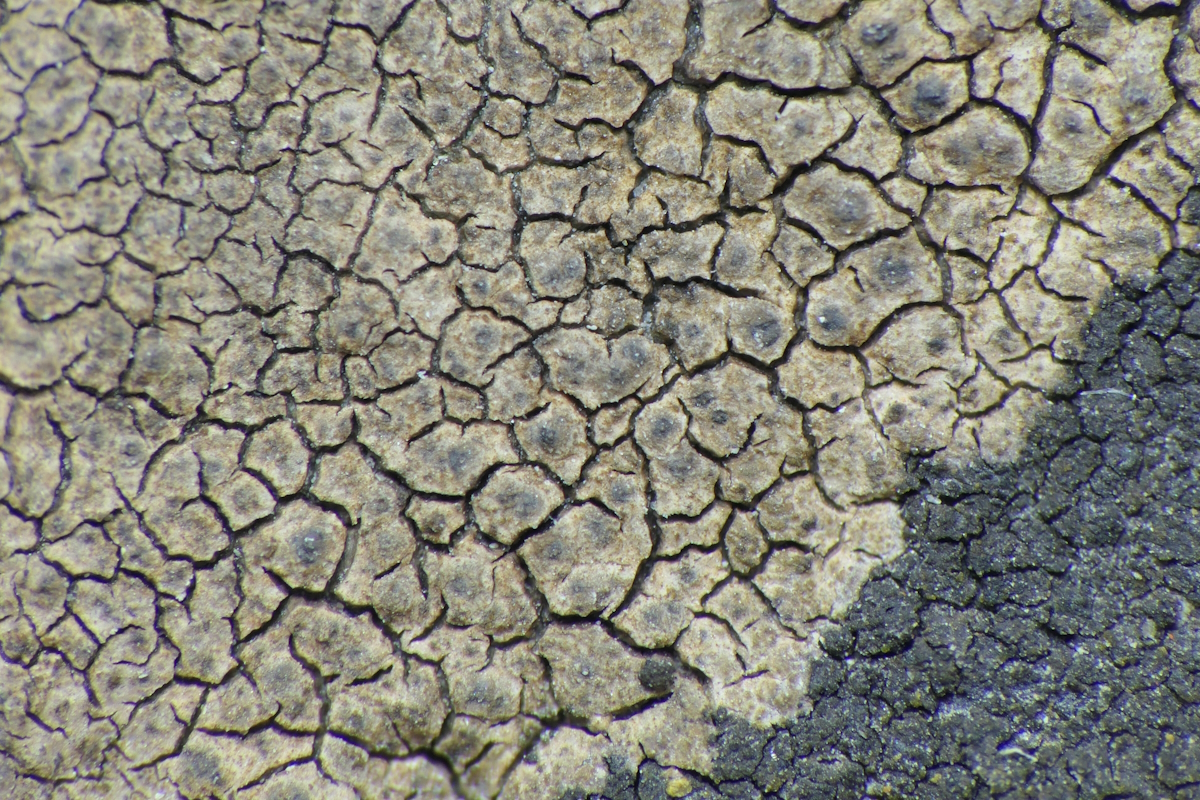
(499, 398)
(1037, 638)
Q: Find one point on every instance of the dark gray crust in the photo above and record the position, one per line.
(1039, 638)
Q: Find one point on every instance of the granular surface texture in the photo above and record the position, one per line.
(623, 398)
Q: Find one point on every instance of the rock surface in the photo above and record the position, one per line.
(484, 399)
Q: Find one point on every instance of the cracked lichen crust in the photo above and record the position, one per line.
(462, 398)
(1039, 637)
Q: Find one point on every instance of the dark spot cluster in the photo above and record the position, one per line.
(877, 34)
(930, 96)
(765, 332)
(831, 319)
(309, 546)
(892, 271)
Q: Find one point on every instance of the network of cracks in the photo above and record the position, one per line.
(475, 399)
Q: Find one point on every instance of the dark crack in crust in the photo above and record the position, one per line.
(1039, 638)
